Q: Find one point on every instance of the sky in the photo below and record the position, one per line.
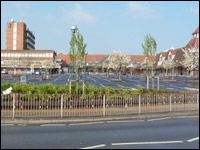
(105, 25)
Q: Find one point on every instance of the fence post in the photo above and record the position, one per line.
(13, 116)
(61, 106)
(197, 101)
(170, 103)
(104, 105)
(139, 104)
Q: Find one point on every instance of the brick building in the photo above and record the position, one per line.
(19, 37)
(23, 61)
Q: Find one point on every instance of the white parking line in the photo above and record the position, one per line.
(159, 119)
(135, 81)
(102, 85)
(107, 80)
(194, 139)
(57, 78)
(97, 146)
(85, 123)
(137, 143)
(94, 80)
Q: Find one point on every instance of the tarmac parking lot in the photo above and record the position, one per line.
(183, 83)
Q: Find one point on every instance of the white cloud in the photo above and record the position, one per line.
(78, 15)
(194, 10)
(140, 10)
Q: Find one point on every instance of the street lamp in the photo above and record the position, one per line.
(19, 68)
(85, 65)
(73, 29)
(193, 52)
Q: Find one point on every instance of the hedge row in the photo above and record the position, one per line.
(64, 89)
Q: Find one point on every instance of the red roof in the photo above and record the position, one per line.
(193, 43)
(66, 60)
(173, 51)
(139, 58)
(196, 31)
(164, 54)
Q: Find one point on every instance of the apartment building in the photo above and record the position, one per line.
(19, 37)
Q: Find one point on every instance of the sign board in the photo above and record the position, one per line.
(23, 79)
(32, 65)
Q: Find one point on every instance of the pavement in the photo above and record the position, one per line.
(39, 121)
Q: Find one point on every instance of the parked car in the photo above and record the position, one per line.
(4, 71)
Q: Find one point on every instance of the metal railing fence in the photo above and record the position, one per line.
(62, 105)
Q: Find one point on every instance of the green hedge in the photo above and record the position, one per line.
(64, 89)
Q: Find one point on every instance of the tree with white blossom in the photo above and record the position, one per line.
(190, 59)
(118, 60)
(108, 65)
(168, 64)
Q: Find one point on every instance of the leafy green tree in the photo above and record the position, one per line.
(77, 50)
(149, 48)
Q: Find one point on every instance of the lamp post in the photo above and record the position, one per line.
(73, 29)
(85, 66)
(193, 52)
(19, 69)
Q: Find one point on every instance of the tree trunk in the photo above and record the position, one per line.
(120, 74)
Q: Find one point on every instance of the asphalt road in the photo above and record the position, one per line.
(169, 133)
(183, 84)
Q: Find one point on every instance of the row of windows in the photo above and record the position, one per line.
(26, 55)
(22, 62)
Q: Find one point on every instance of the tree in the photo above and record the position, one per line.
(13, 65)
(168, 64)
(146, 64)
(188, 59)
(108, 65)
(47, 64)
(149, 48)
(118, 60)
(77, 51)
